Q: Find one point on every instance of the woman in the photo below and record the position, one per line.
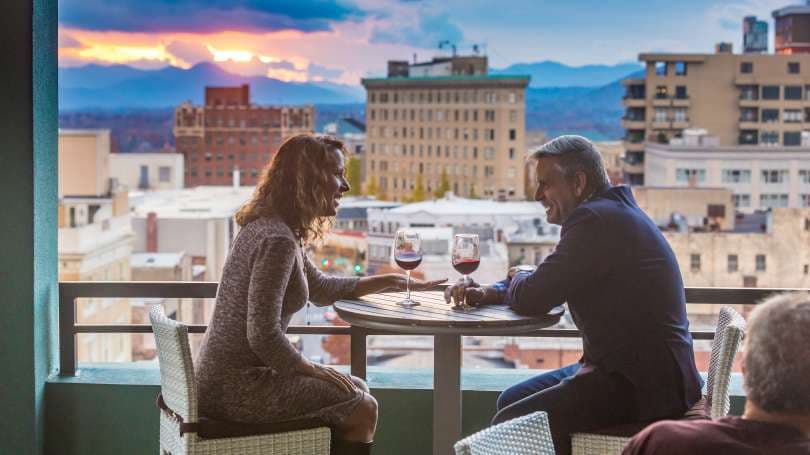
(247, 369)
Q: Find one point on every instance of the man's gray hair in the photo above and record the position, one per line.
(777, 357)
(576, 154)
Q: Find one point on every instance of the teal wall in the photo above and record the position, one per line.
(28, 257)
(112, 411)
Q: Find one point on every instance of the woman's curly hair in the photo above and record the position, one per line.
(292, 186)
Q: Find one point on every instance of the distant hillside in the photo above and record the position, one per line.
(138, 105)
(554, 74)
(115, 87)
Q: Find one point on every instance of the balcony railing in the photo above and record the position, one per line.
(70, 291)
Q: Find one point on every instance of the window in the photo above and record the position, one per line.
(793, 92)
(732, 263)
(772, 201)
(805, 200)
(792, 116)
(770, 138)
(512, 135)
(680, 115)
(804, 175)
(791, 138)
(741, 200)
(680, 92)
(736, 176)
(165, 174)
(770, 92)
(660, 68)
(774, 176)
(691, 176)
(660, 114)
(746, 67)
(694, 262)
(770, 115)
(793, 67)
(680, 68)
(760, 263)
(511, 153)
(489, 153)
(661, 92)
(749, 114)
(749, 92)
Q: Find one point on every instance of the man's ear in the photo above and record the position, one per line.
(580, 182)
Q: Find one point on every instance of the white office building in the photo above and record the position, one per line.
(759, 177)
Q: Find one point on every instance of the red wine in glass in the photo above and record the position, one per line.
(466, 266)
(408, 255)
(408, 262)
(466, 257)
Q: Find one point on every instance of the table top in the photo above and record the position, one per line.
(434, 316)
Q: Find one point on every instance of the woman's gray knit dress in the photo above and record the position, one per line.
(246, 367)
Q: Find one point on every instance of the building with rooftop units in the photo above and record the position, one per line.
(445, 120)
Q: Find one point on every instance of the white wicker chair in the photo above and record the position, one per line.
(526, 435)
(180, 423)
(727, 336)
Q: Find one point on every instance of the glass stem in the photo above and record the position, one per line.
(408, 283)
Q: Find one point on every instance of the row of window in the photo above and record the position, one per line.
(437, 169)
(662, 92)
(422, 150)
(439, 115)
(678, 114)
(768, 176)
(208, 156)
(772, 92)
(768, 200)
(791, 67)
(221, 172)
(753, 114)
(676, 68)
(455, 134)
(439, 97)
(753, 137)
(732, 263)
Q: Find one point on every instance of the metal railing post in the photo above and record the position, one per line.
(67, 336)
(358, 355)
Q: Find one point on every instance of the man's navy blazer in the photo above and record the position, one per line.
(625, 293)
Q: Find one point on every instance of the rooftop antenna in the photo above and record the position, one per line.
(445, 42)
(475, 48)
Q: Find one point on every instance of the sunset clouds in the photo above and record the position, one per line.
(342, 41)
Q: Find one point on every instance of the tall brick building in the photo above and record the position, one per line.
(230, 134)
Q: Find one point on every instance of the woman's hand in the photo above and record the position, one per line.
(391, 282)
(397, 282)
(325, 373)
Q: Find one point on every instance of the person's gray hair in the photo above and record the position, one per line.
(576, 154)
(777, 354)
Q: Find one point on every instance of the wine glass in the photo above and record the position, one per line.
(466, 256)
(408, 255)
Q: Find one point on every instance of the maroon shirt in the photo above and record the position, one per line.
(729, 435)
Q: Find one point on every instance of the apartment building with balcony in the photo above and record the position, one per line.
(446, 119)
(230, 133)
(742, 99)
(95, 238)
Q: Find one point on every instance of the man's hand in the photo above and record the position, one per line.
(465, 293)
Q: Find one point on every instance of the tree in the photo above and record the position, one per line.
(419, 191)
(444, 185)
(354, 172)
(371, 187)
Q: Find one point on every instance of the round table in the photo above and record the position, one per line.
(433, 316)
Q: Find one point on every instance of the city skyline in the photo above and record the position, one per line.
(317, 41)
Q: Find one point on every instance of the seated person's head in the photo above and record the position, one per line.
(302, 185)
(777, 355)
(569, 170)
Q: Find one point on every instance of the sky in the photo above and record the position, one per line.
(342, 41)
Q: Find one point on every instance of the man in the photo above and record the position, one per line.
(625, 294)
(776, 420)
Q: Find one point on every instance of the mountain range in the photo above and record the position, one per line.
(138, 104)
